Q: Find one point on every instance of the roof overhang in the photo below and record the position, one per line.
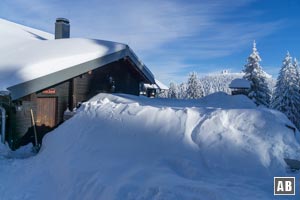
(32, 86)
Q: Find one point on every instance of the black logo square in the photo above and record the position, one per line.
(284, 185)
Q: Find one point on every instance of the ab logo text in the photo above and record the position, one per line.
(284, 185)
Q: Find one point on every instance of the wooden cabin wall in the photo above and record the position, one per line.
(23, 131)
(81, 89)
(70, 93)
(62, 95)
(23, 120)
(126, 80)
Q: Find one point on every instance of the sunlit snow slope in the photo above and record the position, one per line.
(127, 147)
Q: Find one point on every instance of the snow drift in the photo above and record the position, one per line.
(127, 147)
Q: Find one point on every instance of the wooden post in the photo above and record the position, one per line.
(34, 128)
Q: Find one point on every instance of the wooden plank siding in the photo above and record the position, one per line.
(23, 129)
(46, 111)
(87, 85)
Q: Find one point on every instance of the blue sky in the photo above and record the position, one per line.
(175, 37)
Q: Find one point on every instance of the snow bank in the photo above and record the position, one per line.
(127, 147)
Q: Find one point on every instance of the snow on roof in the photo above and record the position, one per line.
(40, 58)
(239, 83)
(161, 85)
(26, 53)
(12, 33)
(157, 85)
(150, 86)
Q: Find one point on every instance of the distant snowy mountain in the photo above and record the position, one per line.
(128, 147)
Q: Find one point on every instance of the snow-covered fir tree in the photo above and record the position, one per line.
(286, 97)
(218, 82)
(182, 91)
(296, 66)
(163, 94)
(194, 87)
(215, 83)
(259, 91)
(173, 91)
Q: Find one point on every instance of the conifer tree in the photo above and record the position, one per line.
(259, 90)
(194, 87)
(173, 91)
(286, 97)
(182, 91)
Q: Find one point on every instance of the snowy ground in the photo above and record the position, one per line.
(127, 147)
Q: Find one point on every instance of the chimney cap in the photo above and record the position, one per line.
(61, 19)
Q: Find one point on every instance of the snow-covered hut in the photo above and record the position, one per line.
(239, 86)
(41, 77)
(152, 90)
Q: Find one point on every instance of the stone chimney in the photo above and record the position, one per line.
(62, 28)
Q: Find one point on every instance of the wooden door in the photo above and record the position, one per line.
(46, 112)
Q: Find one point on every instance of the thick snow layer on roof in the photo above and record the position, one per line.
(239, 83)
(150, 86)
(25, 55)
(157, 85)
(161, 85)
(128, 147)
(12, 33)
